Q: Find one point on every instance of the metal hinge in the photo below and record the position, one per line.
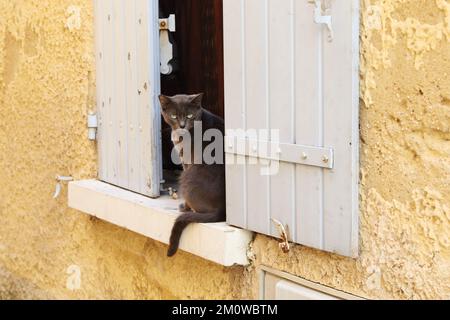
(166, 26)
(320, 18)
(92, 124)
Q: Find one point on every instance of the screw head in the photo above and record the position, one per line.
(304, 156)
(325, 159)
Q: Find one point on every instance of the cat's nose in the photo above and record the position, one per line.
(182, 124)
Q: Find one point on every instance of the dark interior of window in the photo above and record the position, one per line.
(198, 61)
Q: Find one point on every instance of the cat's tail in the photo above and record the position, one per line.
(187, 218)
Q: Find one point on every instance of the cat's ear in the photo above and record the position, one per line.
(197, 99)
(165, 101)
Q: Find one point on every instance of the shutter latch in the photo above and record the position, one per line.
(166, 26)
(284, 235)
(92, 126)
(59, 181)
(320, 18)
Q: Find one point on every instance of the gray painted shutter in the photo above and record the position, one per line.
(282, 72)
(127, 60)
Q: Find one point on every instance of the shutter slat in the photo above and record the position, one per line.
(234, 48)
(282, 108)
(145, 99)
(133, 112)
(309, 127)
(120, 119)
(100, 21)
(257, 108)
(341, 92)
(110, 136)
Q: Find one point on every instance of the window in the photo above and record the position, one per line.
(134, 144)
(131, 143)
(289, 66)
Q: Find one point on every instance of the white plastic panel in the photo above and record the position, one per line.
(282, 72)
(278, 285)
(287, 290)
(127, 60)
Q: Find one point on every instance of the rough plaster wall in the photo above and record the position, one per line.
(47, 87)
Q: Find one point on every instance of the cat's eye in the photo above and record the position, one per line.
(190, 116)
(174, 116)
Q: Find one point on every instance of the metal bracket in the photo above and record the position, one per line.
(92, 124)
(320, 18)
(284, 152)
(166, 48)
(59, 181)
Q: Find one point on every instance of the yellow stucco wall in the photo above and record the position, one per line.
(47, 87)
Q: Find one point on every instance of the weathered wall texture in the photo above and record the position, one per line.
(47, 88)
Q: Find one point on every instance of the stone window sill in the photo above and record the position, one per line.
(154, 218)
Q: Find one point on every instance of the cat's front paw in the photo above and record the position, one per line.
(184, 207)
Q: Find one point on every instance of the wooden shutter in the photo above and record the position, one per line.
(127, 56)
(282, 72)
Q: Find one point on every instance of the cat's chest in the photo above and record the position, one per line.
(178, 147)
(177, 139)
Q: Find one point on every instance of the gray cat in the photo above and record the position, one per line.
(202, 186)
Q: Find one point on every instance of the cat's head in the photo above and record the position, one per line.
(181, 111)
